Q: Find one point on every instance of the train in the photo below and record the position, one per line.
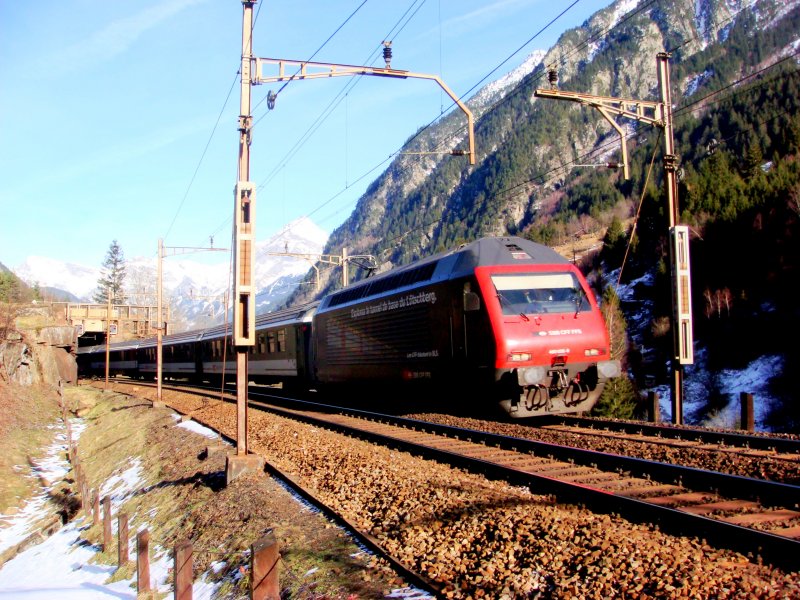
(503, 319)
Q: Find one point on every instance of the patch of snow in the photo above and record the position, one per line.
(121, 486)
(512, 78)
(409, 593)
(753, 379)
(692, 83)
(62, 565)
(622, 8)
(199, 429)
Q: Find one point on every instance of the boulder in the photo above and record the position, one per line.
(62, 336)
(54, 364)
(48, 361)
(17, 363)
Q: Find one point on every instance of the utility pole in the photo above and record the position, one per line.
(108, 333)
(244, 290)
(160, 328)
(658, 114)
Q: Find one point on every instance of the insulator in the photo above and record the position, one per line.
(271, 96)
(387, 53)
(552, 77)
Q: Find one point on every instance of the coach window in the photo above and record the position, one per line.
(262, 343)
(271, 338)
(282, 340)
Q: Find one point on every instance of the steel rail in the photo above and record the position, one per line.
(705, 436)
(777, 550)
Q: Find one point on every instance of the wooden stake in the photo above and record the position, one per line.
(264, 557)
(122, 546)
(106, 524)
(143, 561)
(184, 576)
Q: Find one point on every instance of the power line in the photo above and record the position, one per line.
(336, 101)
(581, 46)
(434, 120)
(208, 142)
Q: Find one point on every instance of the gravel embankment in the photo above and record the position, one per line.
(480, 538)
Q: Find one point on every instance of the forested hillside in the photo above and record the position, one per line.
(735, 86)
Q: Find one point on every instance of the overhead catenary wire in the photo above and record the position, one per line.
(396, 29)
(208, 142)
(545, 177)
(398, 151)
(507, 97)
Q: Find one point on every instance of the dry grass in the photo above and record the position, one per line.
(183, 496)
(25, 416)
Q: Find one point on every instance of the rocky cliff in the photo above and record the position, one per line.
(42, 355)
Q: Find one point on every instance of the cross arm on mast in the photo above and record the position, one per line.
(318, 70)
(611, 107)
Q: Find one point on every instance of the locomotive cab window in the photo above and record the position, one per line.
(537, 293)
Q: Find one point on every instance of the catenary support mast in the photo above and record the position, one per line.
(244, 223)
(658, 114)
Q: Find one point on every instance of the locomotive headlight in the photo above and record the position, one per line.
(519, 356)
(609, 368)
(531, 375)
(592, 352)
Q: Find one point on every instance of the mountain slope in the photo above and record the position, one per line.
(527, 147)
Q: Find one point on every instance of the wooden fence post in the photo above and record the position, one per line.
(143, 561)
(264, 557)
(122, 532)
(748, 417)
(653, 408)
(96, 507)
(106, 524)
(184, 576)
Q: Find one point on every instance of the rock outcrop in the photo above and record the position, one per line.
(44, 356)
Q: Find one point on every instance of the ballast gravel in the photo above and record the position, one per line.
(478, 538)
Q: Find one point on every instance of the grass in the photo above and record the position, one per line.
(183, 496)
(26, 414)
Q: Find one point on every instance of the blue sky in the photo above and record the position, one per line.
(107, 111)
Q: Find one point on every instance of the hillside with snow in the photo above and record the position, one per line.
(195, 290)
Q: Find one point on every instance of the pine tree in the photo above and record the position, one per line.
(113, 277)
(619, 398)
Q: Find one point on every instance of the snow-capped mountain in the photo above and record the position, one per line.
(79, 280)
(195, 290)
(492, 92)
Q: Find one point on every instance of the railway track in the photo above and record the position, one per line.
(752, 516)
(745, 444)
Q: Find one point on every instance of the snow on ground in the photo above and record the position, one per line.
(63, 566)
(51, 468)
(753, 379)
(195, 427)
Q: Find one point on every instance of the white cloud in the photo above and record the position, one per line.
(480, 17)
(117, 36)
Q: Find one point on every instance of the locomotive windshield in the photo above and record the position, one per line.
(536, 293)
